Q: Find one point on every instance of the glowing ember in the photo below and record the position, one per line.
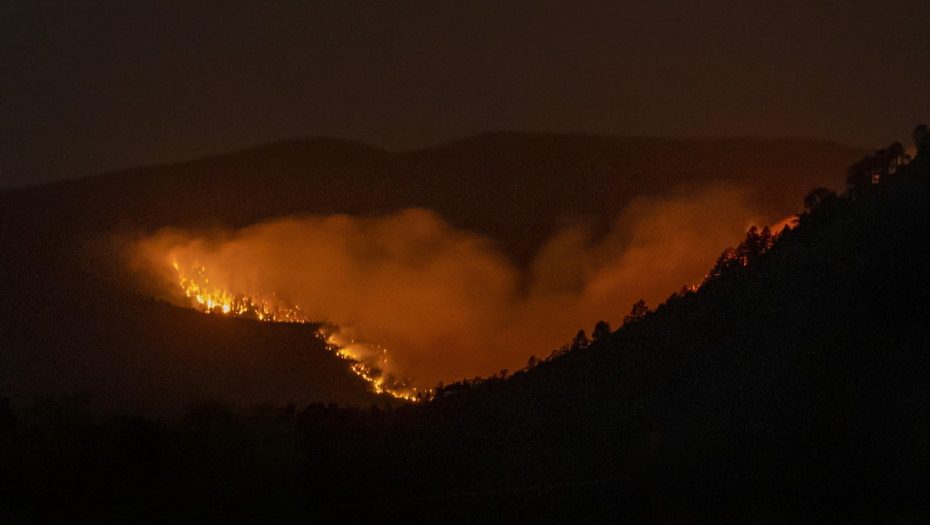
(196, 285)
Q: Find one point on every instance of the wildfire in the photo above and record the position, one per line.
(196, 285)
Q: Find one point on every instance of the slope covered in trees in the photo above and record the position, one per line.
(791, 386)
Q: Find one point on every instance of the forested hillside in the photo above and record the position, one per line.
(792, 384)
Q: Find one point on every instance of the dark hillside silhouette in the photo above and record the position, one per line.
(134, 355)
(791, 386)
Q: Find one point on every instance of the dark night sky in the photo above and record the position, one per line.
(94, 86)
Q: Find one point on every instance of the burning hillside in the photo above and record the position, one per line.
(366, 361)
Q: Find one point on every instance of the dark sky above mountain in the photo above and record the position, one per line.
(100, 85)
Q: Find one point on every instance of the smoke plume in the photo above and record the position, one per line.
(448, 303)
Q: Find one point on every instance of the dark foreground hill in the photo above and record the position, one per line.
(72, 320)
(792, 388)
(133, 355)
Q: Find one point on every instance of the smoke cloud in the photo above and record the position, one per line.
(448, 303)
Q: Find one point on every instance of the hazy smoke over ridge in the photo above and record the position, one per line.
(447, 303)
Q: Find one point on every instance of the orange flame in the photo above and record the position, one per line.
(195, 284)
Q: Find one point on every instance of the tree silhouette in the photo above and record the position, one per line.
(532, 362)
(859, 177)
(725, 264)
(756, 243)
(818, 198)
(580, 342)
(921, 136)
(747, 253)
(638, 312)
(883, 159)
(601, 331)
(897, 153)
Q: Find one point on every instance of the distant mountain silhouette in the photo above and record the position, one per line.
(72, 320)
(514, 187)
